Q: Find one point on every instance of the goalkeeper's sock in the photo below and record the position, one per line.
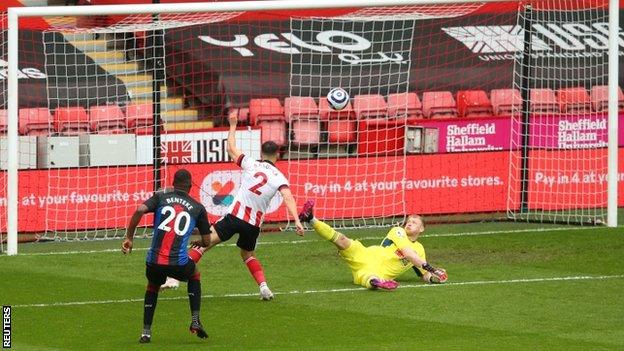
(195, 253)
(255, 268)
(324, 230)
(151, 298)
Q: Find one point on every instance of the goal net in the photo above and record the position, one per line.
(443, 117)
(560, 134)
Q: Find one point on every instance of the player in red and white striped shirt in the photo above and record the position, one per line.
(260, 181)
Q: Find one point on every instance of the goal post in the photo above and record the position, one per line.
(364, 167)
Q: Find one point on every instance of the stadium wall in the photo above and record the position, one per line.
(432, 180)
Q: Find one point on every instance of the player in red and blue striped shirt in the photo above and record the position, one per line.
(176, 215)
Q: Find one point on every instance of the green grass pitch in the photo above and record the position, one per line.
(509, 289)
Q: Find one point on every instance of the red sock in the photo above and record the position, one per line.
(195, 254)
(255, 268)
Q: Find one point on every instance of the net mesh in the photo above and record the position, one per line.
(561, 135)
(435, 124)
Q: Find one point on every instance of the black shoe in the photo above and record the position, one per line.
(197, 328)
(145, 339)
(306, 213)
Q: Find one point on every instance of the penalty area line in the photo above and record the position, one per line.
(338, 290)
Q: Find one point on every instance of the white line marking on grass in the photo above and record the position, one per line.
(306, 241)
(304, 292)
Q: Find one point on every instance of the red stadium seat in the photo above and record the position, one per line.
(506, 102)
(140, 118)
(303, 115)
(265, 110)
(71, 120)
(300, 107)
(574, 100)
(370, 106)
(341, 125)
(406, 105)
(243, 115)
(380, 136)
(35, 121)
(327, 113)
(269, 115)
(473, 103)
(439, 104)
(107, 119)
(306, 132)
(341, 131)
(3, 121)
(273, 130)
(543, 100)
(600, 98)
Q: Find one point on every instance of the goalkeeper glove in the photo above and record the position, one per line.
(439, 276)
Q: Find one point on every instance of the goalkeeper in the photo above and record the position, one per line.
(377, 266)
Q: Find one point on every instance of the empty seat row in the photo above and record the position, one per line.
(108, 119)
(435, 104)
(305, 116)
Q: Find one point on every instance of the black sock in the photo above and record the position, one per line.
(194, 294)
(151, 297)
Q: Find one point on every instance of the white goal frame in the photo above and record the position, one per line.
(14, 14)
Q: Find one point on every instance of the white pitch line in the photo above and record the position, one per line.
(305, 292)
(305, 241)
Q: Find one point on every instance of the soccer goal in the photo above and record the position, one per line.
(456, 107)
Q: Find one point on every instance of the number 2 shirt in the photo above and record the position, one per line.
(259, 183)
(176, 214)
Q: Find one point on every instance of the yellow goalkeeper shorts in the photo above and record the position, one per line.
(362, 262)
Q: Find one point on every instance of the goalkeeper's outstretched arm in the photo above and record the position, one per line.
(435, 275)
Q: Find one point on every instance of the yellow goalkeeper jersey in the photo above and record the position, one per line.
(392, 263)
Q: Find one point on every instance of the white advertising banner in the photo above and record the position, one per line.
(197, 147)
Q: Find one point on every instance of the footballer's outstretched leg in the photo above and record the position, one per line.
(321, 228)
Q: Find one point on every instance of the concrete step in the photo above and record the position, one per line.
(79, 36)
(145, 92)
(179, 116)
(189, 125)
(167, 104)
(90, 45)
(136, 80)
(120, 68)
(107, 57)
(34, 2)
